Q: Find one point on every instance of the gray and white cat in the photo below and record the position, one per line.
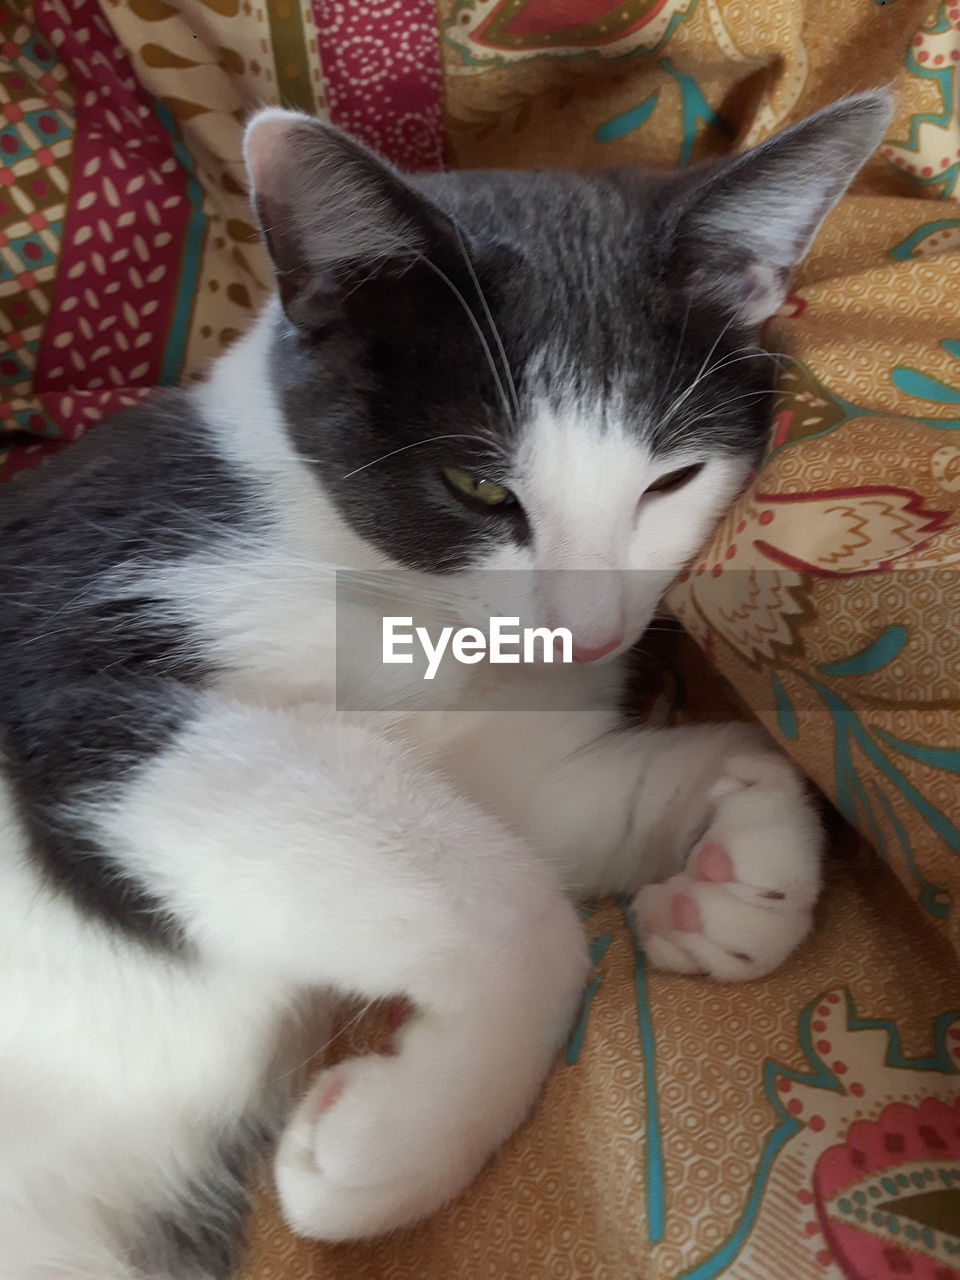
(533, 371)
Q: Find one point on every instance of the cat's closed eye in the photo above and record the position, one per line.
(478, 489)
(671, 480)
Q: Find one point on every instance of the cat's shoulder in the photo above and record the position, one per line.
(154, 466)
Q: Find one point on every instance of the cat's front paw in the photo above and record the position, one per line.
(745, 898)
(370, 1149)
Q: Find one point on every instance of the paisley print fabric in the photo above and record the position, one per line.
(804, 1126)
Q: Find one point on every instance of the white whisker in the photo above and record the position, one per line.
(453, 435)
(726, 363)
(477, 328)
(679, 350)
(490, 320)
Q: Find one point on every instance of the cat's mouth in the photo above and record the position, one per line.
(597, 651)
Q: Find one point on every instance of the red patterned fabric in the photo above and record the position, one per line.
(381, 67)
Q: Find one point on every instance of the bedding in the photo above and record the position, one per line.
(807, 1125)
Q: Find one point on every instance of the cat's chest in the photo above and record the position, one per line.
(282, 629)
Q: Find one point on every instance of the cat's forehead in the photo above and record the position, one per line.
(597, 327)
(593, 245)
(542, 207)
(584, 239)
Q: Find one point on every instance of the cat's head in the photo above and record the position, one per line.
(539, 370)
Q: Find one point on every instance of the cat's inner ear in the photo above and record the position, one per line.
(741, 230)
(332, 213)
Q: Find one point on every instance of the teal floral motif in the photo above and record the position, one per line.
(876, 655)
(914, 383)
(655, 1178)
(619, 126)
(807, 409)
(786, 716)
(931, 238)
(947, 758)
(655, 1175)
(852, 737)
(929, 153)
(812, 1107)
(694, 106)
(500, 33)
(598, 948)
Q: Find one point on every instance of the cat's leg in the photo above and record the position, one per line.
(296, 846)
(710, 823)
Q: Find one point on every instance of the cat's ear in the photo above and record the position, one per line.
(330, 210)
(739, 231)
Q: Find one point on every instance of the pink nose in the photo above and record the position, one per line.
(581, 654)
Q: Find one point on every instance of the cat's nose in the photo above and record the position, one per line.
(582, 654)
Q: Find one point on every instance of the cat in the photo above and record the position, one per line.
(540, 373)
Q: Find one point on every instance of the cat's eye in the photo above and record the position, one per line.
(477, 488)
(674, 479)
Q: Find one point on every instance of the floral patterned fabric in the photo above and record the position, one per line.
(807, 1125)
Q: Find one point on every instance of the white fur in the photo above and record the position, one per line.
(605, 548)
(310, 852)
(107, 1056)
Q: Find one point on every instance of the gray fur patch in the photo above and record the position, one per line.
(91, 687)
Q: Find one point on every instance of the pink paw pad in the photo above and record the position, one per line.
(686, 914)
(328, 1096)
(714, 864)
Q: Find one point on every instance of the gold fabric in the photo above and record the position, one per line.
(805, 1126)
